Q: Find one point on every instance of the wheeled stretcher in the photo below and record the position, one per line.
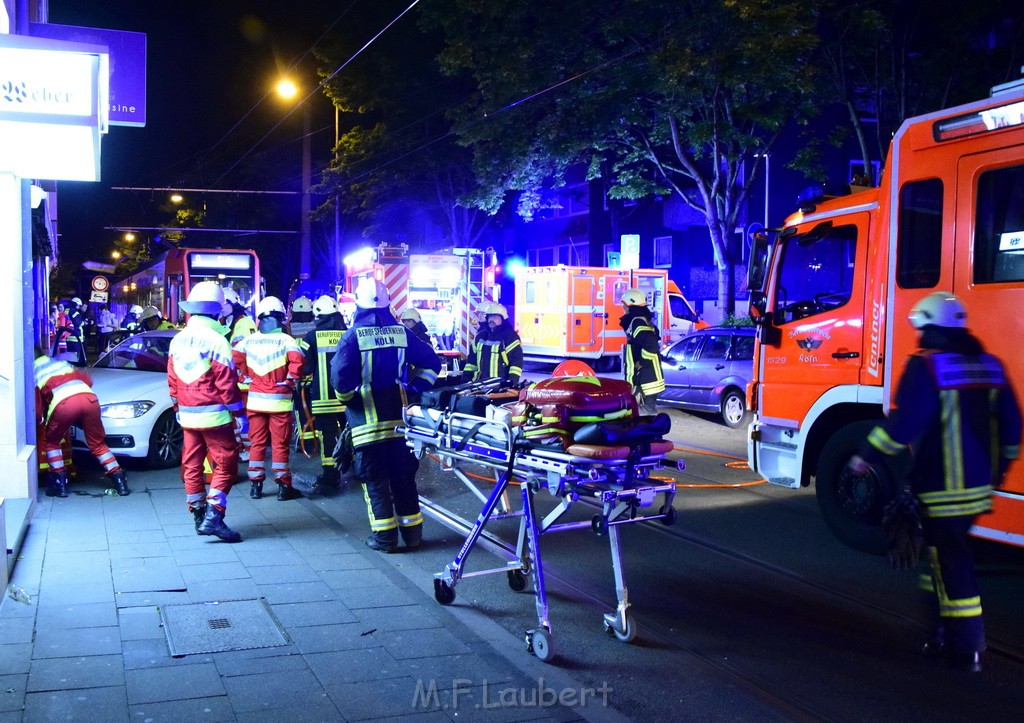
(614, 477)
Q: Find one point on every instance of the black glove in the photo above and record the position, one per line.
(901, 522)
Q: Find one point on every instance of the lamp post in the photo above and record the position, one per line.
(287, 89)
(767, 181)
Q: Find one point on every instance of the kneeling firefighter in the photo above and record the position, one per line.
(375, 360)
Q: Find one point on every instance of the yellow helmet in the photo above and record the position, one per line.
(491, 307)
(411, 315)
(634, 297)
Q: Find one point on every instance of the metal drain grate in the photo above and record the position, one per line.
(220, 626)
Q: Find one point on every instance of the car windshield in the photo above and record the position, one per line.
(145, 353)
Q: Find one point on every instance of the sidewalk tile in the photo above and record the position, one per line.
(353, 666)
(348, 579)
(86, 615)
(218, 590)
(56, 674)
(130, 550)
(270, 574)
(197, 709)
(118, 538)
(87, 593)
(140, 623)
(309, 712)
(206, 571)
(181, 682)
(81, 560)
(380, 596)
(339, 561)
(16, 630)
(12, 691)
(15, 658)
(92, 704)
(469, 666)
(230, 665)
(206, 555)
(154, 653)
(323, 638)
(294, 592)
(150, 575)
(299, 615)
(252, 557)
(376, 699)
(426, 643)
(146, 599)
(408, 617)
(77, 642)
(284, 689)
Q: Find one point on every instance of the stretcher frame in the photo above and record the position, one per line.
(620, 487)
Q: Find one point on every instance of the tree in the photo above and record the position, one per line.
(656, 96)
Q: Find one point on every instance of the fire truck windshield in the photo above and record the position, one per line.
(815, 277)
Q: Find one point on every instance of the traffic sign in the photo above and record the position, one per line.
(99, 297)
(100, 283)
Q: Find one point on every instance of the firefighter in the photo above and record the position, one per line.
(153, 320)
(374, 359)
(203, 384)
(76, 338)
(239, 326)
(301, 321)
(412, 321)
(64, 397)
(641, 354)
(955, 409)
(131, 321)
(273, 361)
(496, 351)
(328, 411)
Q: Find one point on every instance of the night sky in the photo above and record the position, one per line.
(209, 64)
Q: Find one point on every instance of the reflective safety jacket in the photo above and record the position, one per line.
(319, 346)
(496, 353)
(955, 408)
(201, 375)
(56, 380)
(373, 362)
(301, 324)
(641, 354)
(272, 362)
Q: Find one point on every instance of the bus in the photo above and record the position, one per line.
(171, 276)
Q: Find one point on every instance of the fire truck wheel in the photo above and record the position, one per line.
(734, 408)
(852, 505)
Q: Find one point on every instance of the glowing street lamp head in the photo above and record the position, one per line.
(177, 198)
(116, 255)
(129, 236)
(287, 89)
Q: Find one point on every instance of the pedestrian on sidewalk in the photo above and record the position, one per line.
(203, 384)
(272, 360)
(106, 322)
(64, 397)
(375, 360)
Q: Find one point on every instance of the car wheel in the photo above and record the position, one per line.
(734, 408)
(165, 442)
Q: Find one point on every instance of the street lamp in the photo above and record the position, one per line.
(767, 180)
(287, 89)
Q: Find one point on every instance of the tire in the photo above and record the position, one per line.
(165, 442)
(606, 364)
(852, 506)
(734, 409)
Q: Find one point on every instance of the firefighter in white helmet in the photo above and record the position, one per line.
(131, 321)
(239, 326)
(203, 384)
(956, 413)
(376, 359)
(272, 360)
(497, 351)
(413, 321)
(319, 346)
(153, 320)
(642, 352)
(301, 321)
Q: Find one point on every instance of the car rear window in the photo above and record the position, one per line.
(743, 348)
(717, 346)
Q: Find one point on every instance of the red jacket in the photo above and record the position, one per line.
(56, 380)
(201, 376)
(273, 363)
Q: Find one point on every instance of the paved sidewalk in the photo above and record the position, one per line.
(367, 639)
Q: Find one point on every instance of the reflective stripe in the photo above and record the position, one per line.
(65, 390)
(411, 520)
(204, 416)
(951, 438)
(267, 402)
(880, 440)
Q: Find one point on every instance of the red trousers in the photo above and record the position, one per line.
(84, 410)
(275, 429)
(220, 444)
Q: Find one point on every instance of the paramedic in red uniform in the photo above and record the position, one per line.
(642, 358)
(497, 352)
(64, 398)
(956, 411)
(272, 360)
(376, 359)
(203, 385)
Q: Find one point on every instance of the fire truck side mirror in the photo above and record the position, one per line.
(758, 305)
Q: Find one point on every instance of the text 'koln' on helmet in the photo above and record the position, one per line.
(634, 297)
(149, 312)
(489, 308)
(206, 297)
(136, 309)
(302, 305)
(269, 305)
(372, 294)
(939, 309)
(324, 305)
(411, 315)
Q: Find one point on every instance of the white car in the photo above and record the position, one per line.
(130, 382)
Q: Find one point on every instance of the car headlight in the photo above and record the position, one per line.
(125, 410)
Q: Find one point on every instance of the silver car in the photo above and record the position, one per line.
(708, 371)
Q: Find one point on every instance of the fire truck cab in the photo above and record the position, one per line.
(833, 289)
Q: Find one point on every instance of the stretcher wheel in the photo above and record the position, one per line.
(516, 580)
(540, 644)
(443, 592)
(627, 634)
(599, 525)
(669, 515)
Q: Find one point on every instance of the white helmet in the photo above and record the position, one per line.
(939, 309)
(231, 296)
(372, 294)
(206, 297)
(324, 305)
(269, 305)
(302, 305)
(149, 312)
(411, 315)
(136, 309)
(76, 301)
(492, 307)
(634, 297)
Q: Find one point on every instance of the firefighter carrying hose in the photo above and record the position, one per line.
(641, 354)
(956, 411)
(203, 384)
(375, 359)
(497, 352)
(272, 361)
(328, 411)
(63, 398)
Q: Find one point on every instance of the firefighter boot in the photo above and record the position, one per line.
(256, 490)
(381, 544)
(328, 482)
(966, 662)
(287, 492)
(213, 524)
(199, 513)
(412, 536)
(120, 481)
(58, 486)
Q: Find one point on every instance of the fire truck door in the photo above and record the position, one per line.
(583, 313)
(816, 302)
